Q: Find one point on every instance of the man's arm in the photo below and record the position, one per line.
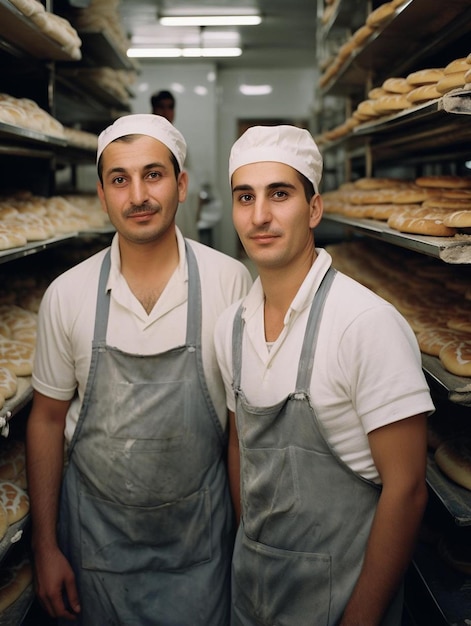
(233, 463)
(45, 463)
(399, 452)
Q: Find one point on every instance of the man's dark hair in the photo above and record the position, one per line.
(309, 190)
(157, 98)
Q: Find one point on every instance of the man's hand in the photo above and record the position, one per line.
(55, 585)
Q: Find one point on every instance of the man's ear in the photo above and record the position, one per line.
(316, 208)
(182, 186)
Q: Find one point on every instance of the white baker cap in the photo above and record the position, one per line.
(149, 124)
(283, 144)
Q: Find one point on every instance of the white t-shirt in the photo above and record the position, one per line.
(367, 367)
(67, 316)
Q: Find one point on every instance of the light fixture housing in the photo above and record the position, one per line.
(210, 20)
(160, 53)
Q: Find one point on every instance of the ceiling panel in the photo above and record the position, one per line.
(285, 38)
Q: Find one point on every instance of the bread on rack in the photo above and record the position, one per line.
(397, 85)
(444, 181)
(421, 221)
(13, 462)
(14, 500)
(456, 357)
(424, 93)
(458, 219)
(16, 356)
(380, 16)
(15, 578)
(426, 76)
(451, 81)
(8, 382)
(453, 457)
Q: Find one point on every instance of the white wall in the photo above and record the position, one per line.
(194, 88)
(209, 122)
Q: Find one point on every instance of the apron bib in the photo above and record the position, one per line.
(145, 514)
(306, 514)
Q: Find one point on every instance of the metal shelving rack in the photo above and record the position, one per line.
(431, 34)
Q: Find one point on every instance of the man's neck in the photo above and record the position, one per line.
(280, 287)
(148, 268)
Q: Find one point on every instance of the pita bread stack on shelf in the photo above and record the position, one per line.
(54, 26)
(81, 138)
(26, 113)
(61, 30)
(102, 16)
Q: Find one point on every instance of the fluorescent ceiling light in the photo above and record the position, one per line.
(255, 90)
(154, 53)
(210, 20)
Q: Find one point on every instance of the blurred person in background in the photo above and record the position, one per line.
(163, 103)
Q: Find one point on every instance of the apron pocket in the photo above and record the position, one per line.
(123, 539)
(166, 430)
(280, 587)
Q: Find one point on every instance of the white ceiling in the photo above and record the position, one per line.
(286, 37)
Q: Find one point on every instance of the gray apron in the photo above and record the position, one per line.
(145, 514)
(306, 515)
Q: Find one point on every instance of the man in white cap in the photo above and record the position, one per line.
(139, 528)
(330, 403)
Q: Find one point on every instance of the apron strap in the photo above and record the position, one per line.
(194, 315)
(309, 343)
(103, 300)
(312, 332)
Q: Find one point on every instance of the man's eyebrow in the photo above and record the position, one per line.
(242, 188)
(281, 183)
(274, 185)
(149, 166)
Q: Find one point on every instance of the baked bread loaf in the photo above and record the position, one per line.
(397, 85)
(16, 356)
(13, 462)
(460, 321)
(376, 93)
(381, 15)
(453, 457)
(458, 219)
(380, 212)
(457, 65)
(432, 340)
(14, 580)
(445, 181)
(14, 500)
(372, 183)
(362, 34)
(456, 357)
(424, 93)
(422, 221)
(428, 76)
(451, 81)
(391, 103)
(444, 202)
(8, 382)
